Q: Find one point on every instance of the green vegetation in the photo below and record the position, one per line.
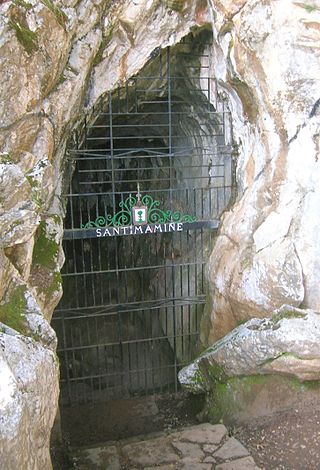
(61, 80)
(227, 27)
(15, 224)
(36, 198)
(236, 395)
(276, 318)
(5, 158)
(33, 183)
(23, 4)
(35, 194)
(60, 16)
(45, 250)
(176, 5)
(105, 41)
(55, 284)
(310, 8)
(12, 311)
(26, 37)
(214, 372)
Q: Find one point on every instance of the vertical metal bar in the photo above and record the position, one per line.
(119, 102)
(100, 286)
(135, 96)
(182, 270)
(201, 244)
(160, 64)
(98, 371)
(66, 359)
(127, 97)
(169, 123)
(112, 155)
(174, 326)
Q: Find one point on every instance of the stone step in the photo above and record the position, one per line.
(201, 447)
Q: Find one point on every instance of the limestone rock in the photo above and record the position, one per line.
(231, 449)
(14, 187)
(146, 453)
(29, 374)
(137, 29)
(45, 278)
(19, 225)
(278, 195)
(287, 344)
(267, 252)
(246, 463)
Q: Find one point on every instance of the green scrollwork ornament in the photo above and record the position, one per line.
(124, 216)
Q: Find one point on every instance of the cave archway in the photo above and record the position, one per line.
(151, 174)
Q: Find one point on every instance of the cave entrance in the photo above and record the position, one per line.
(152, 173)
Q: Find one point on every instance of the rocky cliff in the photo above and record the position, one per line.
(58, 58)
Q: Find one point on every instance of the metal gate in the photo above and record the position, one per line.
(152, 172)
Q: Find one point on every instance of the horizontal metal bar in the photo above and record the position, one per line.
(124, 372)
(129, 152)
(154, 191)
(133, 341)
(125, 170)
(115, 309)
(141, 179)
(136, 268)
(163, 113)
(172, 78)
(143, 125)
(141, 137)
(77, 234)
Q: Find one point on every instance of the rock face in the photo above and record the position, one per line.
(267, 250)
(57, 57)
(286, 344)
(29, 375)
(260, 368)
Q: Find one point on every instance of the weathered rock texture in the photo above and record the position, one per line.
(28, 400)
(204, 447)
(57, 57)
(260, 367)
(267, 251)
(287, 344)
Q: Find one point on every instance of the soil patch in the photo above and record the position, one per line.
(288, 441)
(119, 419)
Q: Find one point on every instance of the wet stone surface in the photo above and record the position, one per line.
(201, 447)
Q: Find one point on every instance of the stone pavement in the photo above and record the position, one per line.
(201, 447)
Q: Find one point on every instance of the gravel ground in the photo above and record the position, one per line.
(288, 441)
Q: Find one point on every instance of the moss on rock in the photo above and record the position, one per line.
(287, 314)
(242, 398)
(18, 23)
(176, 5)
(45, 249)
(12, 310)
(26, 37)
(6, 159)
(60, 16)
(22, 4)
